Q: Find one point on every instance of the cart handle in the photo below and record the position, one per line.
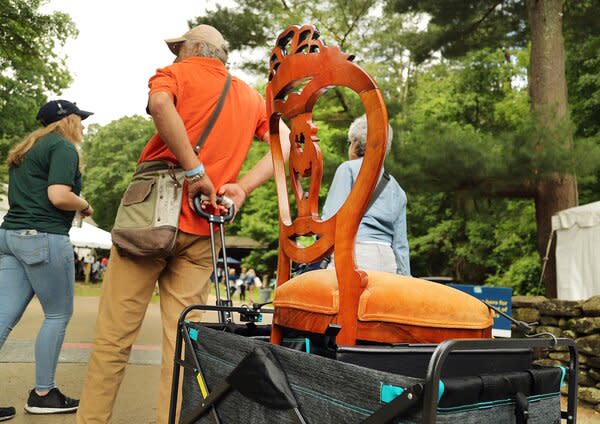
(212, 218)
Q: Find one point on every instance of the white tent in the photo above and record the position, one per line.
(578, 252)
(90, 236)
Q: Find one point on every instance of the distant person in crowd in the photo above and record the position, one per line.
(36, 255)
(220, 275)
(95, 274)
(241, 283)
(381, 241)
(182, 98)
(232, 275)
(103, 263)
(250, 276)
(78, 267)
(250, 282)
(88, 261)
(242, 287)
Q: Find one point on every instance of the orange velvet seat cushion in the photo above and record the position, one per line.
(388, 298)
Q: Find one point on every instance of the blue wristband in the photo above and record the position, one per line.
(195, 171)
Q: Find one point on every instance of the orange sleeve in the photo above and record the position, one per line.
(164, 80)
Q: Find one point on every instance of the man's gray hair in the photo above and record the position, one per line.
(208, 50)
(358, 133)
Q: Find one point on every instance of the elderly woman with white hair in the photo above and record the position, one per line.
(381, 241)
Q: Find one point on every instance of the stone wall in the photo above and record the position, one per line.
(575, 320)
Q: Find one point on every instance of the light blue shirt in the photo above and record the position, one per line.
(384, 221)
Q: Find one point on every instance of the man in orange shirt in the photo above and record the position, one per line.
(182, 98)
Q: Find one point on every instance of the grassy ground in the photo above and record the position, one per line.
(89, 289)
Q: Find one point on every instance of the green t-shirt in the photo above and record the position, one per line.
(52, 160)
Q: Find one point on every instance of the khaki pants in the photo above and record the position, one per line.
(183, 279)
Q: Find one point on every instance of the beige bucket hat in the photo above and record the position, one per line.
(205, 33)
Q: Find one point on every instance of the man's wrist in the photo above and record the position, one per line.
(245, 189)
(198, 170)
(86, 207)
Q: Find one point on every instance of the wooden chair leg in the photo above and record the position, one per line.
(276, 334)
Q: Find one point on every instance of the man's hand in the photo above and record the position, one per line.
(202, 186)
(235, 192)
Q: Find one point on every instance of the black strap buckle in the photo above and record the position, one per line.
(521, 408)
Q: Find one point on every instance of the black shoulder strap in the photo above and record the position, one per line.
(385, 178)
(213, 118)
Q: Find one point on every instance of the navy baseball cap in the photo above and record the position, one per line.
(56, 110)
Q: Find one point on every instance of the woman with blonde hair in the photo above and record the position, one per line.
(36, 255)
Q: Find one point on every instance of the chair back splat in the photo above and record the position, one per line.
(302, 68)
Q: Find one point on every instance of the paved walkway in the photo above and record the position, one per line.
(136, 400)
(17, 365)
(139, 390)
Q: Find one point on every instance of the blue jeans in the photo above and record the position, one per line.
(37, 263)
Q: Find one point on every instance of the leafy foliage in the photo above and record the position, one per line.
(468, 127)
(448, 157)
(475, 240)
(110, 155)
(357, 26)
(582, 37)
(30, 66)
(457, 27)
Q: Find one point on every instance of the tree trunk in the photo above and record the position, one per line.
(548, 92)
(552, 195)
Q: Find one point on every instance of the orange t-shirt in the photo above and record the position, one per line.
(195, 85)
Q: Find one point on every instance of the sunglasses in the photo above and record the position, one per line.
(177, 47)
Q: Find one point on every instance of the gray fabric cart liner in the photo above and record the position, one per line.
(327, 391)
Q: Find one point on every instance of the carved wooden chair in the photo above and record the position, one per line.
(368, 305)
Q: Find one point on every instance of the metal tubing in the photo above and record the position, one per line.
(213, 252)
(237, 309)
(207, 403)
(573, 376)
(296, 415)
(439, 356)
(224, 251)
(175, 379)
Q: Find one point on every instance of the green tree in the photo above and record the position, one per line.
(475, 240)
(30, 65)
(507, 23)
(461, 136)
(582, 37)
(110, 155)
